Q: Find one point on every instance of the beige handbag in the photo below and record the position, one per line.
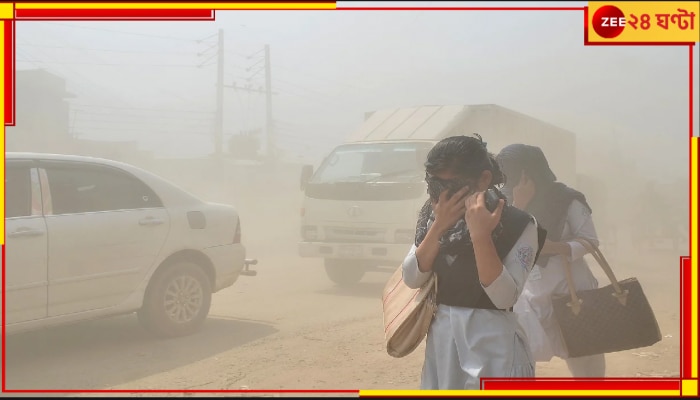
(407, 313)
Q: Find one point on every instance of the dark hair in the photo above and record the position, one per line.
(466, 156)
(518, 157)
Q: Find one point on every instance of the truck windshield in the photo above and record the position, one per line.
(376, 162)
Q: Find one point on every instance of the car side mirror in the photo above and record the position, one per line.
(307, 171)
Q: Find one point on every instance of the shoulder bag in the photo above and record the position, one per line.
(613, 318)
(407, 313)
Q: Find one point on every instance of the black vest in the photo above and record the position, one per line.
(458, 284)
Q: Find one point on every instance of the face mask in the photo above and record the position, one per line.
(436, 186)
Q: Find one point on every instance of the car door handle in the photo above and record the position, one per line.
(25, 232)
(151, 221)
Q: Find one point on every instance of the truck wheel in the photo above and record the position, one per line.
(177, 301)
(344, 272)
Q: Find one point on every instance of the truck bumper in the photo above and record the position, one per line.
(381, 253)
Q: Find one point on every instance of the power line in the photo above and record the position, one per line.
(203, 52)
(307, 97)
(105, 50)
(239, 55)
(172, 132)
(204, 63)
(321, 79)
(303, 88)
(160, 121)
(82, 77)
(65, 72)
(111, 64)
(127, 115)
(129, 33)
(142, 109)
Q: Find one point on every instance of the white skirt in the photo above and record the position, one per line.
(534, 307)
(466, 344)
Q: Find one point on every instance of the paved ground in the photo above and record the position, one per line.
(291, 328)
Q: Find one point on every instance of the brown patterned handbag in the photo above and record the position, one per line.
(407, 313)
(613, 318)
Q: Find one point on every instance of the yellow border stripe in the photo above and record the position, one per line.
(190, 6)
(689, 387)
(518, 393)
(6, 11)
(694, 256)
(694, 144)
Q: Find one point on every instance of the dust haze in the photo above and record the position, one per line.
(145, 93)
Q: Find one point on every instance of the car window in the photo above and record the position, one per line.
(18, 192)
(81, 188)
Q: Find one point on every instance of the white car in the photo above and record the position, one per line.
(89, 238)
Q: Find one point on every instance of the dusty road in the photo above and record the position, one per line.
(290, 328)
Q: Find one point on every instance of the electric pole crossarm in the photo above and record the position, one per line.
(245, 89)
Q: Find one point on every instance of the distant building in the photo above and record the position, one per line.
(42, 114)
(43, 122)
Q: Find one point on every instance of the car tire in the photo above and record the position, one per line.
(344, 272)
(177, 301)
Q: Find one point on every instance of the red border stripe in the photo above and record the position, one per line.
(542, 383)
(63, 14)
(686, 332)
(581, 384)
(9, 26)
(177, 391)
(459, 8)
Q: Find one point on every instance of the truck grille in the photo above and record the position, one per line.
(355, 235)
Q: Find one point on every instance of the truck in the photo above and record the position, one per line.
(360, 205)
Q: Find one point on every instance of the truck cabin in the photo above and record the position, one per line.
(371, 162)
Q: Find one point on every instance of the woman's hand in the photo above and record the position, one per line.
(480, 221)
(448, 210)
(523, 192)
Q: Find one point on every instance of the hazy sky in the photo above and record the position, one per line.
(329, 67)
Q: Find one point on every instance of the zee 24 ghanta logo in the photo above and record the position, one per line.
(609, 21)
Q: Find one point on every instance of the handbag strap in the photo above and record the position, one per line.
(576, 302)
(620, 294)
(433, 294)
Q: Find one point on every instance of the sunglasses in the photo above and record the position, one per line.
(436, 186)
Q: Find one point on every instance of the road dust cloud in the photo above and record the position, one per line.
(292, 87)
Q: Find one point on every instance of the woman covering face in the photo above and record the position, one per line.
(532, 186)
(481, 259)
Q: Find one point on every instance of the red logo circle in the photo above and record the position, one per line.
(608, 22)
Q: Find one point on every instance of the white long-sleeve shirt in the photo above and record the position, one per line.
(535, 306)
(505, 290)
(579, 224)
(467, 344)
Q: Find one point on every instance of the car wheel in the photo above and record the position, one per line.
(345, 272)
(177, 301)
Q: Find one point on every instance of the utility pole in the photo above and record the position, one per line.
(219, 126)
(271, 151)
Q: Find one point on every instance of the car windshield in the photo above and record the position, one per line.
(375, 162)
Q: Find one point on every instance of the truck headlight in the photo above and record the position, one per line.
(404, 236)
(309, 232)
